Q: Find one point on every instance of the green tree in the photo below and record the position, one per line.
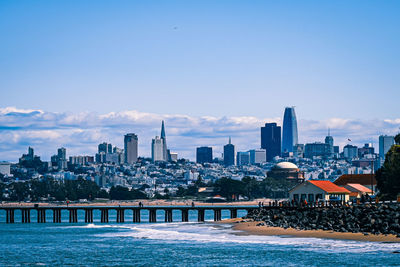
(180, 192)
(19, 191)
(103, 194)
(229, 188)
(123, 193)
(388, 176)
(137, 194)
(252, 188)
(119, 193)
(397, 139)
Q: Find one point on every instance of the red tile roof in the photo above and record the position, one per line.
(358, 188)
(328, 186)
(363, 179)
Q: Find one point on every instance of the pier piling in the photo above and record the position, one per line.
(136, 215)
(200, 216)
(73, 215)
(217, 214)
(233, 213)
(185, 215)
(152, 215)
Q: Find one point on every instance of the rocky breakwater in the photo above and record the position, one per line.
(367, 219)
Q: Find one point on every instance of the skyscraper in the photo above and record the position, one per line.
(289, 134)
(62, 158)
(350, 151)
(62, 153)
(157, 149)
(329, 141)
(131, 148)
(164, 138)
(243, 158)
(104, 148)
(385, 143)
(204, 154)
(257, 156)
(271, 140)
(317, 149)
(229, 154)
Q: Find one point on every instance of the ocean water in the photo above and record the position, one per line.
(174, 244)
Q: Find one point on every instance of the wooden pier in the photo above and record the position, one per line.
(57, 212)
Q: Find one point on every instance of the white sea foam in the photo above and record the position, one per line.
(205, 233)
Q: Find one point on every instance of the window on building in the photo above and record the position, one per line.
(318, 197)
(296, 197)
(310, 198)
(303, 197)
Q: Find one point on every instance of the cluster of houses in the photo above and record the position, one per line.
(348, 187)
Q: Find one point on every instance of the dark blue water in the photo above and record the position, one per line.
(174, 244)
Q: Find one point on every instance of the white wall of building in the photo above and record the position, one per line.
(5, 168)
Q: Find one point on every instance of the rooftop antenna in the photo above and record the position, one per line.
(229, 140)
(329, 131)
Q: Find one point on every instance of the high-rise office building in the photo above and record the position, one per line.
(31, 153)
(350, 152)
(229, 154)
(317, 149)
(258, 156)
(366, 150)
(62, 158)
(243, 158)
(271, 140)
(385, 143)
(157, 149)
(329, 141)
(289, 134)
(204, 155)
(62, 153)
(164, 138)
(131, 148)
(105, 148)
(102, 148)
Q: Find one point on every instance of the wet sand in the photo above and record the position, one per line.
(250, 228)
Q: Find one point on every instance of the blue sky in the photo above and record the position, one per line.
(220, 59)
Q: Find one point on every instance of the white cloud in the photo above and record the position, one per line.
(9, 110)
(80, 133)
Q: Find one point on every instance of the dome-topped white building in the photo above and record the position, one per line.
(286, 165)
(286, 170)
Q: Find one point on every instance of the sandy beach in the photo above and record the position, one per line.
(250, 228)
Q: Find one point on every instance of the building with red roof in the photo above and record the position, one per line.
(367, 180)
(357, 190)
(318, 190)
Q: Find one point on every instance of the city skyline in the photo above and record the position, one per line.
(81, 133)
(177, 132)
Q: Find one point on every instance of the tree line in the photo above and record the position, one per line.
(36, 190)
(248, 187)
(73, 190)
